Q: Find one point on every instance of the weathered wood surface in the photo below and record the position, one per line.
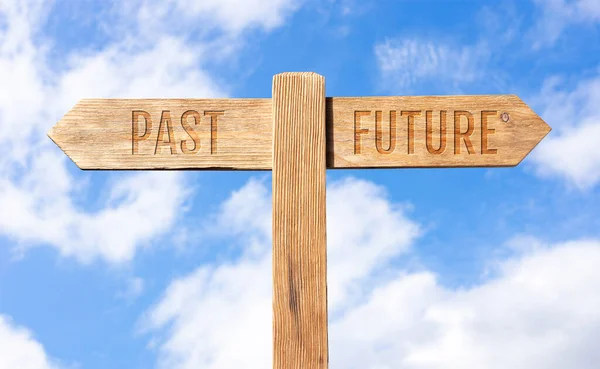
(299, 230)
(179, 134)
(362, 132)
(431, 131)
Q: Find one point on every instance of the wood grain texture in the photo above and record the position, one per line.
(108, 134)
(362, 132)
(299, 229)
(475, 133)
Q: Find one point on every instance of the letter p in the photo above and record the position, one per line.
(135, 136)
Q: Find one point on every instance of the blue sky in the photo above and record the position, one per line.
(428, 268)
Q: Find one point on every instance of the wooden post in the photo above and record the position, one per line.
(364, 132)
(299, 229)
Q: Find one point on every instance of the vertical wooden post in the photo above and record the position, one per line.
(299, 230)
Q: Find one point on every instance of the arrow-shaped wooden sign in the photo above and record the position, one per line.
(298, 134)
(362, 132)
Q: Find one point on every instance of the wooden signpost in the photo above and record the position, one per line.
(298, 134)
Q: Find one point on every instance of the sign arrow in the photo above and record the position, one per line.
(298, 134)
(362, 132)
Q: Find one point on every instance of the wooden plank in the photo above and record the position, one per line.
(299, 230)
(362, 132)
(464, 131)
(153, 134)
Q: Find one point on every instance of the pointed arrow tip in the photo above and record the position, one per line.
(544, 130)
(54, 137)
(50, 135)
(537, 128)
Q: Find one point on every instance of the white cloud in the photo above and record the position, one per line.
(364, 231)
(557, 15)
(538, 309)
(40, 197)
(23, 93)
(571, 150)
(228, 307)
(405, 62)
(195, 308)
(169, 68)
(246, 211)
(217, 317)
(573, 155)
(18, 349)
(144, 206)
(232, 16)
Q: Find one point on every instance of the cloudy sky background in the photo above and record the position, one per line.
(437, 268)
